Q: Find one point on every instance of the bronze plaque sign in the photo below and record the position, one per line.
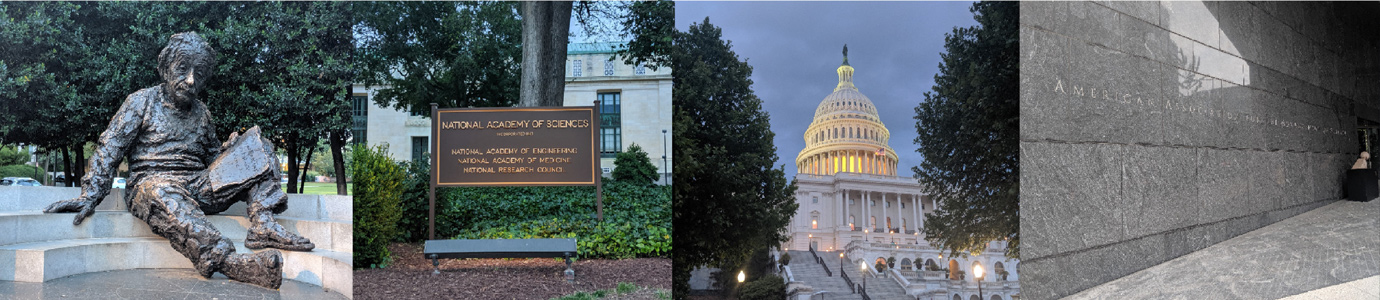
(515, 146)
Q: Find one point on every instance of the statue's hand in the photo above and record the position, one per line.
(231, 140)
(83, 207)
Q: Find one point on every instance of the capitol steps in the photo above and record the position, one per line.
(806, 270)
(37, 247)
(877, 287)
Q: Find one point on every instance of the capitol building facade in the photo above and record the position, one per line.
(855, 212)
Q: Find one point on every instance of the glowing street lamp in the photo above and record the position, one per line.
(864, 274)
(977, 270)
(741, 276)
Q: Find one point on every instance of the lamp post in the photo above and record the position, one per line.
(977, 270)
(864, 275)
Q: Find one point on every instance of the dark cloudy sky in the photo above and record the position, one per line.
(795, 48)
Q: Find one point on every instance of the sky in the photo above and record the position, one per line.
(795, 47)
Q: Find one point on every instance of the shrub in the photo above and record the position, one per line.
(412, 227)
(634, 166)
(377, 191)
(22, 171)
(11, 155)
(637, 217)
(785, 259)
(891, 262)
(767, 287)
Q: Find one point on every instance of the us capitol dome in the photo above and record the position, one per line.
(846, 136)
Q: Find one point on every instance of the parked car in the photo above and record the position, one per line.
(118, 183)
(25, 181)
(19, 181)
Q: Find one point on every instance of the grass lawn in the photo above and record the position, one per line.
(321, 188)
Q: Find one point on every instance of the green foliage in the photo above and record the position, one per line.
(637, 218)
(624, 287)
(729, 200)
(652, 26)
(21, 171)
(415, 204)
(769, 287)
(891, 262)
(785, 259)
(932, 266)
(456, 54)
(633, 166)
(969, 134)
(378, 185)
(11, 155)
(879, 267)
(69, 65)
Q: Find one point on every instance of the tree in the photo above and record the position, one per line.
(969, 130)
(545, 31)
(455, 54)
(652, 25)
(634, 166)
(728, 200)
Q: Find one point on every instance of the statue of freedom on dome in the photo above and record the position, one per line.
(180, 172)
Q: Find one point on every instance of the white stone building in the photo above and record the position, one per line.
(635, 108)
(852, 202)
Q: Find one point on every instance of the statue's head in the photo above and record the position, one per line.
(185, 65)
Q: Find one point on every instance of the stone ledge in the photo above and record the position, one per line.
(34, 226)
(47, 260)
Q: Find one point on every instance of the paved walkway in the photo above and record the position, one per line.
(156, 284)
(1327, 252)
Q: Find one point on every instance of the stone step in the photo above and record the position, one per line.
(806, 270)
(47, 260)
(300, 206)
(327, 235)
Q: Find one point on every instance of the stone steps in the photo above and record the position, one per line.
(36, 247)
(806, 270)
(878, 287)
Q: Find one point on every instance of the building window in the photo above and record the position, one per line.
(874, 203)
(816, 200)
(610, 124)
(359, 111)
(903, 204)
(419, 147)
(608, 68)
(814, 223)
(577, 68)
(886, 204)
(641, 69)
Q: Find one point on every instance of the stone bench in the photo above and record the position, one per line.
(500, 248)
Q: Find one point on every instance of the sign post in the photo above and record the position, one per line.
(514, 146)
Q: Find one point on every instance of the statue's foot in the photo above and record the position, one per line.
(272, 235)
(262, 269)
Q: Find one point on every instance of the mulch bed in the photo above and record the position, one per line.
(409, 277)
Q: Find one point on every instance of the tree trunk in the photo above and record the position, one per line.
(79, 164)
(66, 167)
(303, 187)
(292, 151)
(337, 143)
(545, 26)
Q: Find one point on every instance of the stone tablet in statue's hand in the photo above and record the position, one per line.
(83, 207)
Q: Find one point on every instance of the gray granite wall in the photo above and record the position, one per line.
(1150, 130)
